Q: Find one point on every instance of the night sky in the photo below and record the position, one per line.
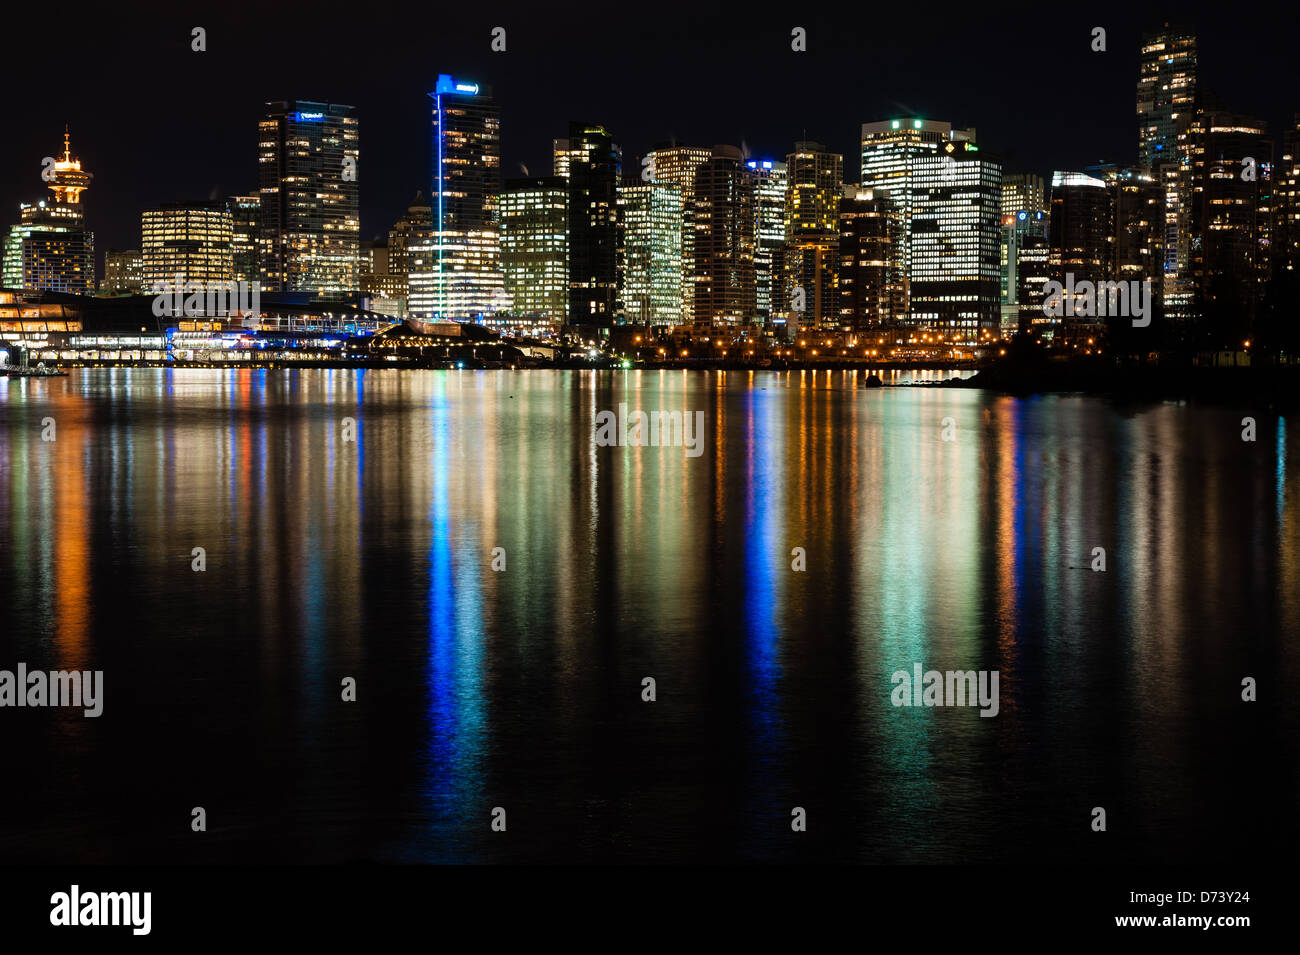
(154, 121)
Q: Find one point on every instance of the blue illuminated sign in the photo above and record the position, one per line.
(309, 117)
(446, 84)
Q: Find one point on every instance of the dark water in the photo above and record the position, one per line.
(521, 689)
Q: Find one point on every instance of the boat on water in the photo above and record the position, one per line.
(28, 371)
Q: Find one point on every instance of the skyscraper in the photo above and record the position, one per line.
(1166, 107)
(456, 268)
(771, 186)
(1082, 242)
(535, 248)
(889, 151)
(1024, 219)
(810, 261)
(870, 295)
(1231, 218)
(307, 175)
(678, 165)
(246, 219)
(123, 271)
(650, 252)
(956, 206)
(724, 242)
(1166, 92)
(49, 249)
(183, 242)
(593, 162)
(1286, 203)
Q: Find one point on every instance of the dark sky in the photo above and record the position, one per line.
(154, 121)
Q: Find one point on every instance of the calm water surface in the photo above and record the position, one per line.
(371, 559)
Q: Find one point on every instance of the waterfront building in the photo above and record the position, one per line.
(308, 173)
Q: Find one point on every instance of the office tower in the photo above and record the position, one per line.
(678, 165)
(1082, 243)
(723, 220)
(307, 176)
(1024, 211)
(246, 222)
(594, 166)
(1231, 218)
(456, 268)
(1286, 203)
(870, 287)
(812, 251)
(956, 204)
(1137, 230)
(418, 219)
(49, 250)
(183, 242)
(384, 290)
(889, 149)
(771, 186)
(1033, 272)
(535, 248)
(1023, 190)
(650, 252)
(1166, 92)
(1166, 106)
(1021, 228)
(123, 271)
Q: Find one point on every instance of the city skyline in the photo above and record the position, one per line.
(859, 77)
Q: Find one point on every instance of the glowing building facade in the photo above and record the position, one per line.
(535, 248)
(955, 241)
(186, 242)
(49, 250)
(650, 253)
(771, 188)
(678, 165)
(308, 155)
(456, 265)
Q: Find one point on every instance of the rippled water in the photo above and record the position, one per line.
(522, 689)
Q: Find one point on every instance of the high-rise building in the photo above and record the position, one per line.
(1082, 250)
(870, 294)
(307, 178)
(1033, 272)
(889, 150)
(1138, 227)
(418, 220)
(650, 253)
(1286, 203)
(956, 207)
(593, 166)
(456, 268)
(49, 250)
(1024, 213)
(246, 221)
(812, 251)
(1166, 107)
(678, 165)
(123, 271)
(723, 220)
(771, 188)
(1166, 92)
(1231, 217)
(535, 248)
(183, 242)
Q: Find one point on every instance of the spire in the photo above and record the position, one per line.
(67, 144)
